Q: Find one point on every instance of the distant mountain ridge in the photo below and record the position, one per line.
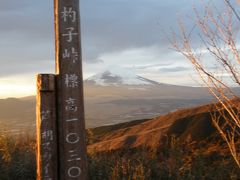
(111, 97)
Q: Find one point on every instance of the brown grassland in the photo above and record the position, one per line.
(180, 145)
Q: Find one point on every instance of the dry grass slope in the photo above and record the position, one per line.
(192, 123)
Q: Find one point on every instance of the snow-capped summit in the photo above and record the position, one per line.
(118, 76)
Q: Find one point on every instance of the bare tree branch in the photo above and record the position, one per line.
(218, 35)
(233, 9)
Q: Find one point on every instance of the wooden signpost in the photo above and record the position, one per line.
(69, 104)
(72, 146)
(47, 163)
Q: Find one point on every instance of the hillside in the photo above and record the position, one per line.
(185, 124)
(179, 145)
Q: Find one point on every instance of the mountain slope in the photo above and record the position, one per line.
(17, 115)
(194, 124)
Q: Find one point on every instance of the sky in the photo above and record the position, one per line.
(126, 33)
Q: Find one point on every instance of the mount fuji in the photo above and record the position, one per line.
(118, 95)
(119, 77)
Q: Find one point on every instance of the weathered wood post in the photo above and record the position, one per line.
(61, 143)
(47, 163)
(71, 124)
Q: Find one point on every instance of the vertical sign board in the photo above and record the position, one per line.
(47, 164)
(71, 124)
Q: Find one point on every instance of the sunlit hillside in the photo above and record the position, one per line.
(179, 145)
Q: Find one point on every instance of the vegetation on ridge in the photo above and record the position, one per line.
(176, 156)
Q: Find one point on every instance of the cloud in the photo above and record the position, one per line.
(147, 66)
(120, 25)
(119, 32)
(93, 61)
(109, 26)
(31, 20)
(143, 57)
(9, 68)
(27, 37)
(174, 69)
(13, 5)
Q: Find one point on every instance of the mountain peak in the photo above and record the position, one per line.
(119, 76)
